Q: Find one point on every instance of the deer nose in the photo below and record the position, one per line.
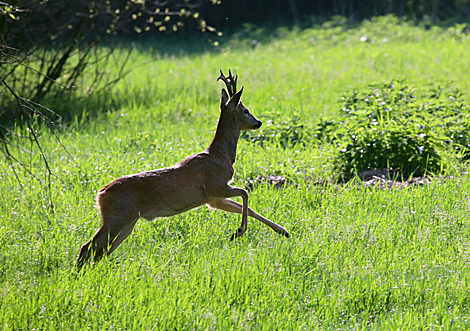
(258, 125)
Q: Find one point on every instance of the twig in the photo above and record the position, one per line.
(19, 62)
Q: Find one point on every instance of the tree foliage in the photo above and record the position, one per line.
(47, 45)
(60, 38)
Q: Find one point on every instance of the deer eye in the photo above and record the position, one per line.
(246, 111)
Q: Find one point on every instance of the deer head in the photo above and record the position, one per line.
(231, 103)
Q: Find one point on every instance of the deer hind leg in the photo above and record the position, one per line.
(118, 224)
(96, 246)
(234, 207)
(122, 235)
(90, 248)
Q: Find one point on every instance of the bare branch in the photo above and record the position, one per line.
(21, 63)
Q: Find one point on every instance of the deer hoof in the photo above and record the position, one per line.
(284, 233)
(237, 234)
(233, 236)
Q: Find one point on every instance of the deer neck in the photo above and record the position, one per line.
(225, 141)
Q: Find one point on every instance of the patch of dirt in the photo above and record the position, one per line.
(374, 173)
(382, 178)
(388, 178)
(276, 181)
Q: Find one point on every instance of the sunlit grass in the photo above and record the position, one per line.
(358, 258)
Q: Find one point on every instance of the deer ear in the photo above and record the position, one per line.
(224, 97)
(235, 99)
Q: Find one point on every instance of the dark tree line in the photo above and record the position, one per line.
(232, 14)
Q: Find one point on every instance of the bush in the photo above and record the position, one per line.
(387, 126)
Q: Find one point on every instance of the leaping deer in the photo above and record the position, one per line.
(200, 179)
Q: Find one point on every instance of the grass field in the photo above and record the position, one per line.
(358, 258)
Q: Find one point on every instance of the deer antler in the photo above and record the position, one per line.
(230, 81)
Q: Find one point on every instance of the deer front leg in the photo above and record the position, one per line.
(242, 229)
(234, 207)
(230, 192)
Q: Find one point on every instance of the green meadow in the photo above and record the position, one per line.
(359, 258)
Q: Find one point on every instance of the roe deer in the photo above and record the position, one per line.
(200, 179)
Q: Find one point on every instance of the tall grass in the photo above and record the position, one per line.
(358, 258)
